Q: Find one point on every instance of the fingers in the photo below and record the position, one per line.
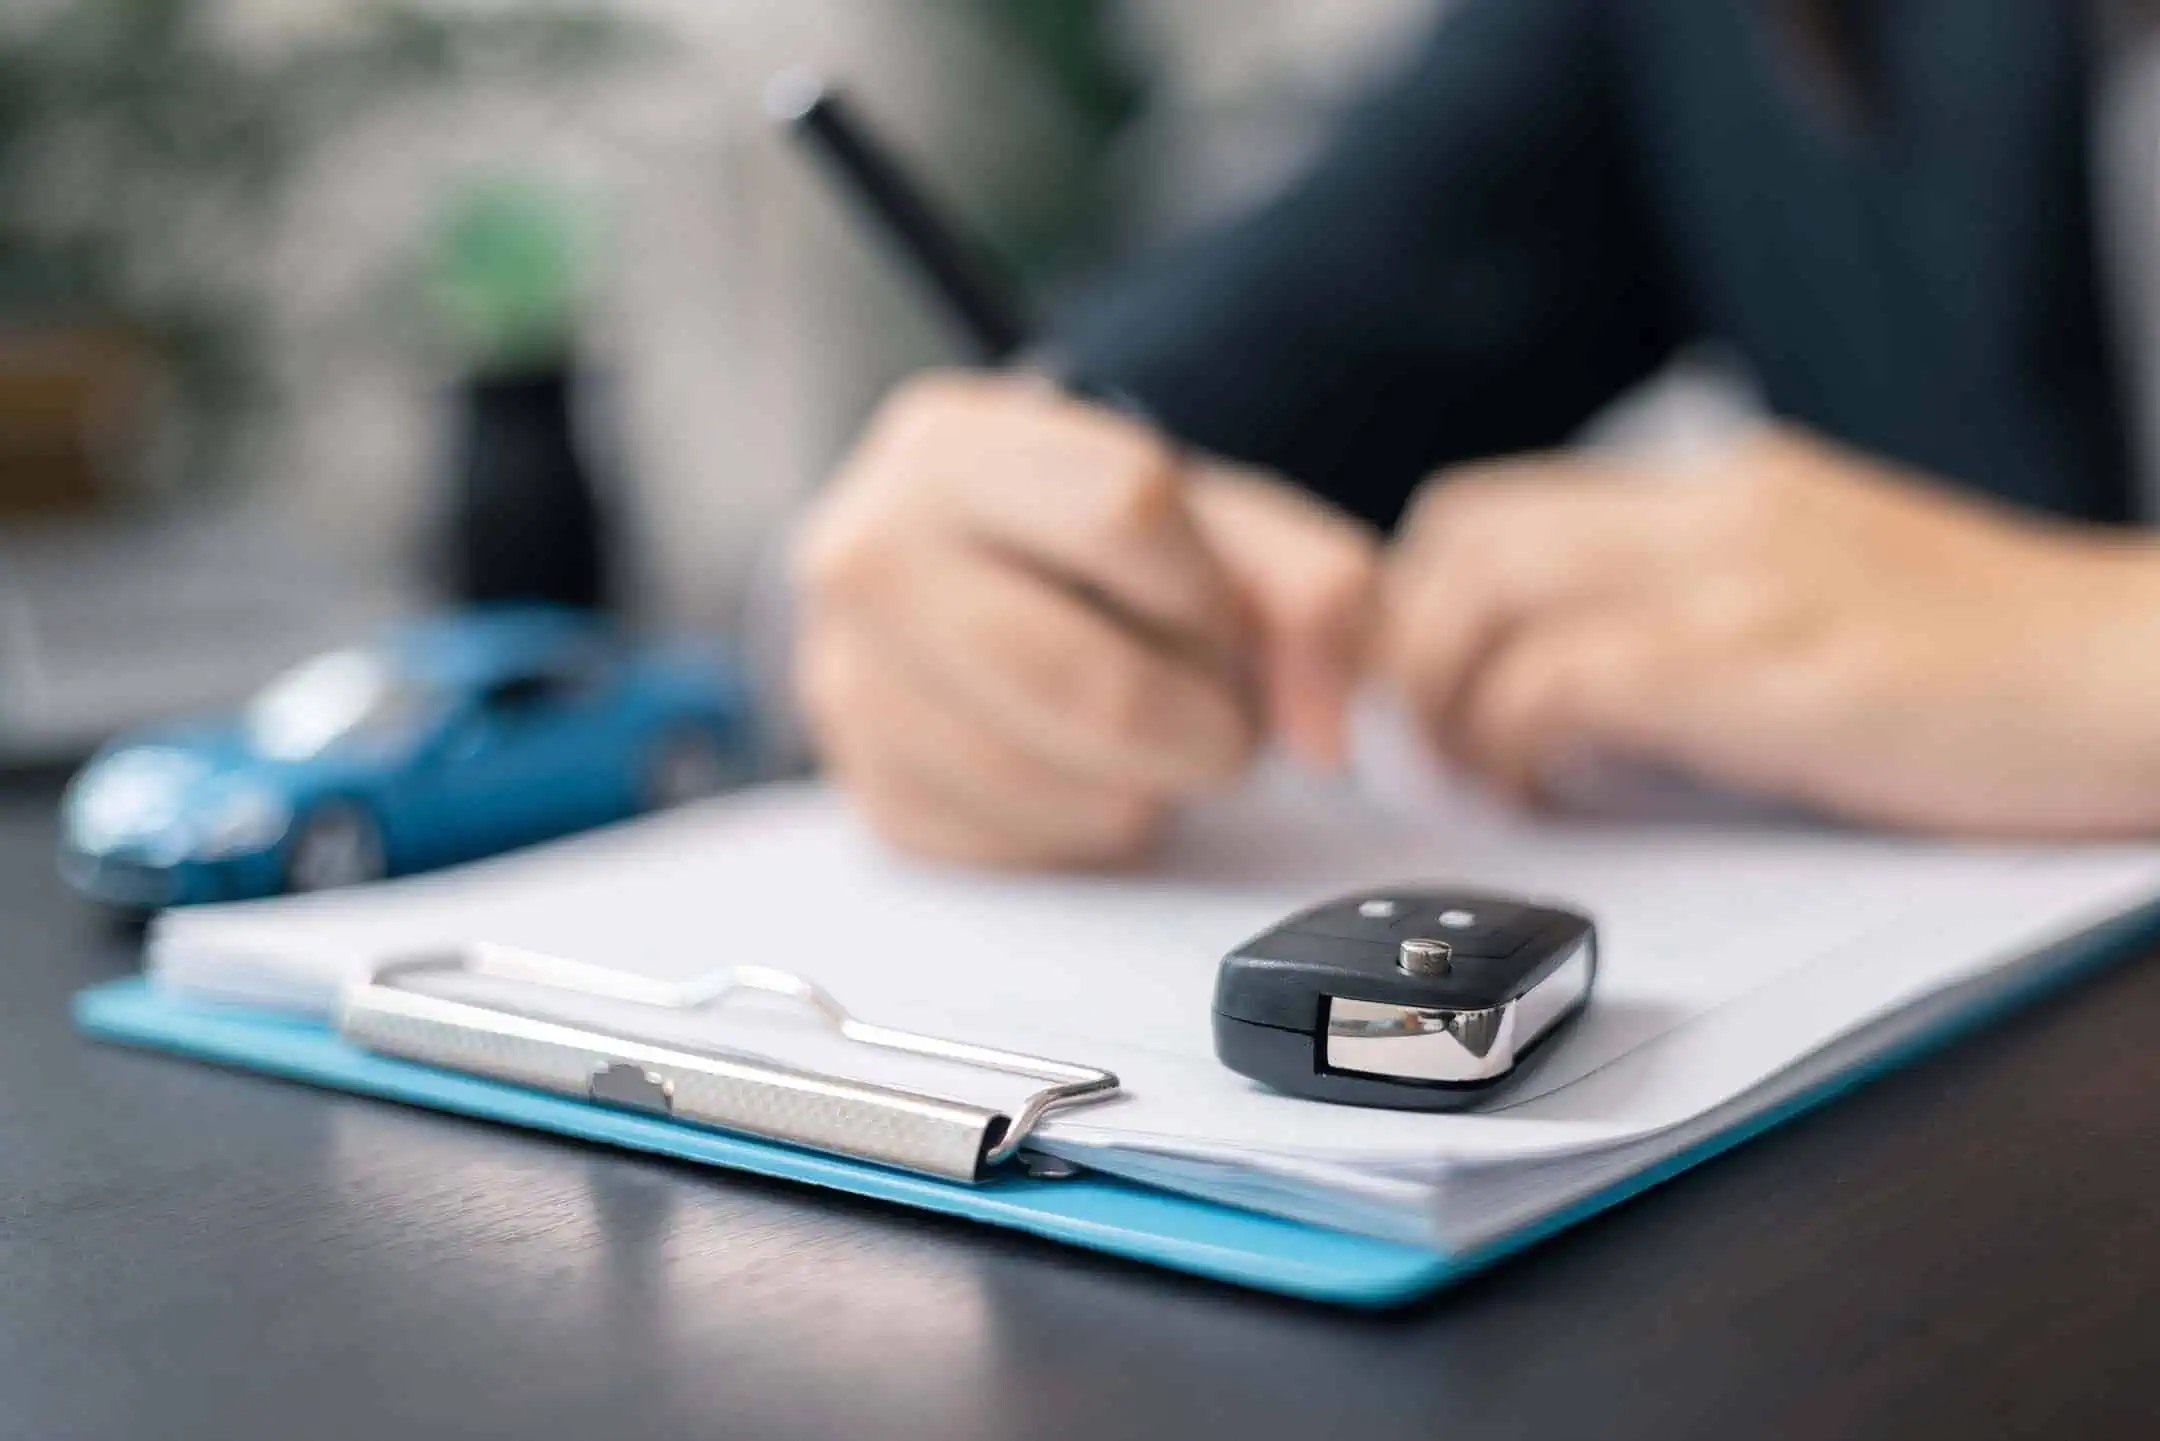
(1555, 614)
(939, 783)
(1013, 645)
(1590, 686)
(1310, 579)
(1497, 547)
(1078, 493)
(1040, 665)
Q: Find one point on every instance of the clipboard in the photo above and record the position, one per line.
(1097, 1212)
(1090, 1210)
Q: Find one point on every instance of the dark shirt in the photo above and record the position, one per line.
(1557, 194)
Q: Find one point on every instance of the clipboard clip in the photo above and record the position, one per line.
(932, 1135)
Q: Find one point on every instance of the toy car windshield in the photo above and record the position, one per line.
(328, 700)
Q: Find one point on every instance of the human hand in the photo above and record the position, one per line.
(1028, 629)
(1790, 621)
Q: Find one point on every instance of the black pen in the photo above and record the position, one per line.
(971, 292)
(978, 301)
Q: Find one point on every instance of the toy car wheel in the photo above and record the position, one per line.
(337, 844)
(687, 766)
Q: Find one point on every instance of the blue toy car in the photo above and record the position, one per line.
(448, 740)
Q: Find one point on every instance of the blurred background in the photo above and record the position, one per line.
(283, 281)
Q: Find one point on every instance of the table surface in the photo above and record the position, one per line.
(1967, 1248)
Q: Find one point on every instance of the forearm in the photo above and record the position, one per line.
(1464, 272)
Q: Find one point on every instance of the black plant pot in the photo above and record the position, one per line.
(526, 522)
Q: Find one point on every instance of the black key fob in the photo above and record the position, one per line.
(1417, 998)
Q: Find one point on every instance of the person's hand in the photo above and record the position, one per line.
(1787, 620)
(1027, 629)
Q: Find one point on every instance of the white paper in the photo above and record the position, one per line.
(1729, 957)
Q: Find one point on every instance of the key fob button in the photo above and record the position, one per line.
(1475, 925)
(1374, 918)
(1494, 940)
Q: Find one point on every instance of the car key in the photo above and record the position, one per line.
(1415, 998)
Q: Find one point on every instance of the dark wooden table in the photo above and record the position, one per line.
(1968, 1249)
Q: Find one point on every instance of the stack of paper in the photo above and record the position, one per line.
(1740, 967)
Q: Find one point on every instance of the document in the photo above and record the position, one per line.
(1740, 965)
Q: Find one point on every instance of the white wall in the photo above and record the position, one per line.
(742, 324)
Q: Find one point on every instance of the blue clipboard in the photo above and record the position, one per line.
(1093, 1211)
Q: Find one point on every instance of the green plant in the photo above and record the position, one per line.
(508, 273)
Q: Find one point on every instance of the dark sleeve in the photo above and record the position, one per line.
(1464, 272)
